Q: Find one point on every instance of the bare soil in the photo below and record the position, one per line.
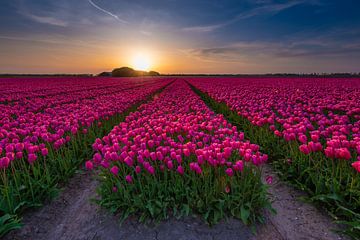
(296, 219)
(73, 216)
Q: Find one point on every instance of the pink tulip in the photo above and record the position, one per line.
(44, 152)
(180, 170)
(4, 162)
(97, 158)
(315, 138)
(151, 170)
(239, 166)
(159, 156)
(89, 165)
(304, 149)
(153, 156)
(342, 153)
(186, 152)
(105, 164)
(170, 164)
(129, 161)
(227, 189)
(303, 139)
(129, 179)
(356, 165)
(114, 170)
(229, 172)
(19, 155)
(178, 159)
(278, 133)
(269, 179)
(32, 158)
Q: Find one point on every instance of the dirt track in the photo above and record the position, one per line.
(73, 216)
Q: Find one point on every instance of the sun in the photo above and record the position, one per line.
(141, 62)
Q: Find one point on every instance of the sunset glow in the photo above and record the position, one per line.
(141, 62)
(243, 36)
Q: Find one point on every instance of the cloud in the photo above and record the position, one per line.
(107, 12)
(55, 39)
(275, 51)
(208, 28)
(236, 52)
(47, 20)
(146, 33)
(266, 9)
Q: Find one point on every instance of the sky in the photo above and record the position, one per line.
(180, 36)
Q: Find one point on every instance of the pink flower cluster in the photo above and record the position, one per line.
(174, 132)
(36, 112)
(323, 115)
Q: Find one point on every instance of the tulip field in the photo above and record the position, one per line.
(165, 147)
(310, 128)
(47, 128)
(175, 155)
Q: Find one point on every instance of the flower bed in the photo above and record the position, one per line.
(309, 128)
(174, 157)
(39, 149)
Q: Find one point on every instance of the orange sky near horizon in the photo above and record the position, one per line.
(82, 59)
(47, 57)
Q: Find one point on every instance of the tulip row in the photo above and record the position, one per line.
(174, 156)
(23, 89)
(309, 128)
(39, 149)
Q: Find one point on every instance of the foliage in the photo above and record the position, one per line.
(129, 72)
(8, 223)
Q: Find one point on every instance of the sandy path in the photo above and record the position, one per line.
(296, 219)
(73, 216)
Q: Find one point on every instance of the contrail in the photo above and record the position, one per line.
(107, 12)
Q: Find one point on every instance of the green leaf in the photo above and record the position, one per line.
(8, 223)
(326, 197)
(186, 209)
(355, 225)
(244, 214)
(150, 207)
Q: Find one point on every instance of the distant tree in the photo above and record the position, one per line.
(105, 74)
(129, 72)
(124, 72)
(153, 73)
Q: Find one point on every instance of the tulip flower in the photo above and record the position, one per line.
(114, 170)
(89, 165)
(269, 179)
(229, 172)
(129, 179)
(44, 151)
(304, 149)
(32, 158)
(356, 165)
(180, 170)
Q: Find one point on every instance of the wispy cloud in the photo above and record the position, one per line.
(208, 28)
(107, 12)
(47, 20)
(266, 51)
(235, 52)
(266, 9)
(56, 40)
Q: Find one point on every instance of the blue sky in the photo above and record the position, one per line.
(195, 36)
